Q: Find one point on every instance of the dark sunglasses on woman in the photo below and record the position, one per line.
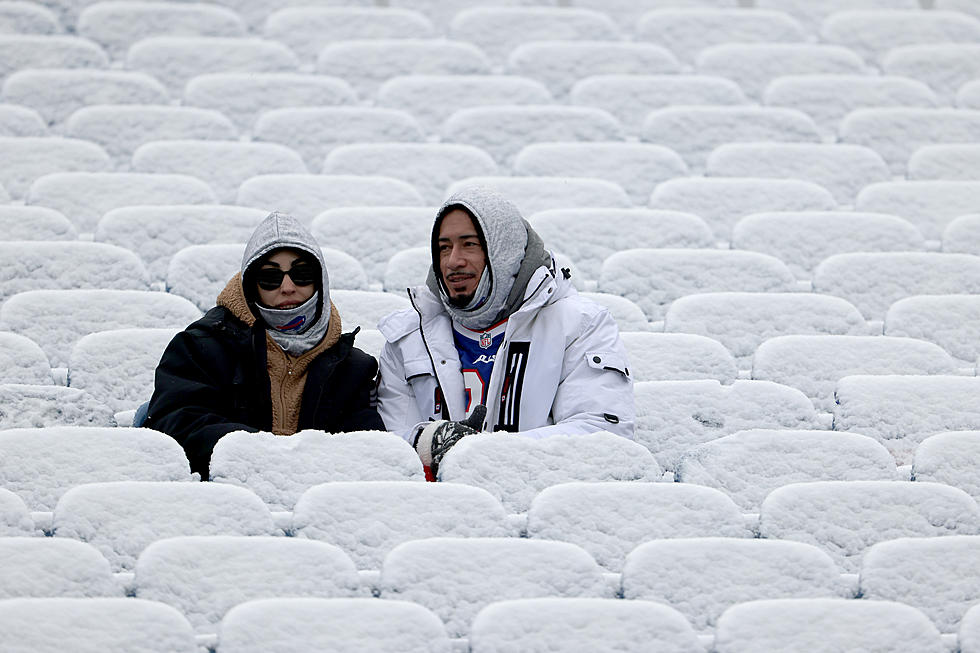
(303, 274)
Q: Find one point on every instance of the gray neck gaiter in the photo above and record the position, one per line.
(294, 329)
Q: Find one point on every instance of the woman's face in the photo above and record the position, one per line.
(288, 293)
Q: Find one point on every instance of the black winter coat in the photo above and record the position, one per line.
(212, 380)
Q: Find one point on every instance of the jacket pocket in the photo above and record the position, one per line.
(608, 360)
(418, 368)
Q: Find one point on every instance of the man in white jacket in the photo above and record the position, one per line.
(498, 340)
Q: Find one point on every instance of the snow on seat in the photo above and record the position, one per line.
(41, 464)
(873, 281)
(442, 11)
(811, 14)
(653, 278)
(224, 165)
(430, 167)
(637, 167)
(628, 316)
(56, 94)
(394, 512)
(962, 234)
(26, 159)
(701, 577)
(504, 130)
(947, 161)
(804, 238)
(205, 576)
(315, 131)
(22, 361)
(338, 625)
(749, 464)
(34, 223)
(364, 308)
(694, 131)
(966, 6)
(842, 169)
(534, 194)
(22, 51)
(46, 567)
(950, 458)
(968, 97)
(407, 268)
(945, 67)
(176, 59)
(27, 18)
(677, 357)
(950, 321)
(969, 633)
(741, 321)
(611, 519)
(36, 406)
(549, 624)
(280, 469)
(789, 625)
(483, 570)
(16, 120)
(514, 470)
(897, 132)
(559, 64)
(55, 319)
(929, 205)
(15, 519)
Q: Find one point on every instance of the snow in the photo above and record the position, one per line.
(611, 519)
(631, 12)
(873, 33)
(628, 316)
(962, 234)
(944, 67)
(949, 161)
(21, 121)
(811, 14)
(677, 356)
(966, 6)
(370, 341)
(950, 458)
(45, 405)
(968, 96)
(407, 268)
(929, 205)
(15, 520)
(26, 18)
(22, 360)
(442, 11)
(514, 470)
(365, 308)
(950, 321)
(280, 469)
(969, 634)
(19, 51)
(34, 223)
(48, 567)
(533, 194)
(26, 159)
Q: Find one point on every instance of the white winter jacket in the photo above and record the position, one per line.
(561, 367)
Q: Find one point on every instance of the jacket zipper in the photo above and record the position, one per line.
(435, 371)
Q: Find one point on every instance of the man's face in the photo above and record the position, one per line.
(288, 293)
(461, 257)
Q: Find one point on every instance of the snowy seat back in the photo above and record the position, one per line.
(550, 624)
(456, 577)
(16, 120)
(628, 316)
(873, 281)
(749, 464)
(950, 321)
(947, 161)
(306, 196)
(791, 625)
(514, 470)
(205, 576)
(395, 512)
(702, 577)
(815, 363)
(533, 194)
(22, 361)
(844, 518)
(35, 406)
(653, 278)
(48, 567)
(26, 159)
(962, 234)
(22, 51)
(674, 416)
(280, 469)
(969, 633)
(968, 96)
(224, 165)
(743, 321)
(34, 223)
(950, 458)
(722, 202)
(966, 6)
(873, 33)
(339, 625)
(678, 357)
(365, 308)
(504, 130)
(611, 519)
(637, 167)
(94, 625)
(811, 14)
(945, 67)
(55, 319)
(24, 18)
(429, 167)
(936, 575)
(15, 518)
(406, 269)
(442, 11)
(929, 205)
(117, 367)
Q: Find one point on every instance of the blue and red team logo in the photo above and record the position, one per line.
(293, 324)
(485, 340)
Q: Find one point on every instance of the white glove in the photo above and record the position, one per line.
(436, 438)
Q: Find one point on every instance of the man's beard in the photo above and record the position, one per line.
(461, 301)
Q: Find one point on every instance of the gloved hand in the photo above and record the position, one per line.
(436, 438)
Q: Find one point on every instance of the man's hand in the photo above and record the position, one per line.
(436, 438)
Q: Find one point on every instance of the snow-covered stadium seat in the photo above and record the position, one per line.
(950, 458)
(741, 321)
(483, 570)
(443, 11)
(694, 131)
(41, 464)
(27, 18)
(121, 518)
(872, 33)
(84, 197)
(4, 197)
(205, 576)
(901, 411)
(16, 120)
(280, 469)
(364, 308)
(873, 281)
(175, 59)
(896, 132)
(62, 264)
(968, 97)
(701, 577)
(841, 169)
(243, 96)
(966, 6)
(969, 633)
(534, 194)
(630, 12)
(631, 97)
(394, 512)
(677, 357)
(57, 93)
(22, 51)
(224, 165)
(15, 518)
(22, 360)
(430, 167)
(36, 406)
(34, 223)
(802, 239)
(503, 130)
(406, 269)
(811, 14)
(47, 567)
(550, 624)
(749, 464)
(963, 235)
(950, 321)
(559, 64)
(611, 519)
(338, 625)
(637, 167)
(653, 278)
(787, 625)
(945, 67)
(674, 416)
(515, 469)
(26, 159)
(929, 205)
(947, 161)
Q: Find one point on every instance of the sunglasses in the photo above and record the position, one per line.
(303, 274)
